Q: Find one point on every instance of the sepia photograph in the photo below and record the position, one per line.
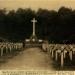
(37, 35)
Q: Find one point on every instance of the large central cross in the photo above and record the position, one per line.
(34, 21)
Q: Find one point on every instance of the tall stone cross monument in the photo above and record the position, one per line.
(34, 21)
(33, 37)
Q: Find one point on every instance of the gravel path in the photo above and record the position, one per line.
(30, 58)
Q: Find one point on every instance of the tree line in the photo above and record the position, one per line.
(56, 26)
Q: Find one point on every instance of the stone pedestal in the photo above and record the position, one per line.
(33, 39)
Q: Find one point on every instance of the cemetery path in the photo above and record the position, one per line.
(30, 58)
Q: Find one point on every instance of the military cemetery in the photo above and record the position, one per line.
(38, 40)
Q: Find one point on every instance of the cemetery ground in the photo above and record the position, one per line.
(33, 58)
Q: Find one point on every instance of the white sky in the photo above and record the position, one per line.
(35, 4)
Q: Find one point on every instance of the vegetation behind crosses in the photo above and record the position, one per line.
(56, 26)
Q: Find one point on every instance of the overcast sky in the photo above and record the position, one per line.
(35, 4)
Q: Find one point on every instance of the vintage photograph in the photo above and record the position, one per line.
(37, 35)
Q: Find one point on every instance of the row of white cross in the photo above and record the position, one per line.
(8, 46)
(61, 49)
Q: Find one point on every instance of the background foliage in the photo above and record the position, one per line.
(56, 26)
